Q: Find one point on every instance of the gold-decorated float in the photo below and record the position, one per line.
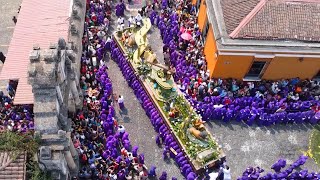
(187, 126)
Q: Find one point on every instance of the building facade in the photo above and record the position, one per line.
(261, 39)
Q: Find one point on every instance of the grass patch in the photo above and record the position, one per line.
(314, 145)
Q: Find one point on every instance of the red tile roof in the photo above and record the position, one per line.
(12, 169)
(234, 11)
(285, 20)
(39, 22)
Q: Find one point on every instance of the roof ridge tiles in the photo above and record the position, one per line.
(248, 18)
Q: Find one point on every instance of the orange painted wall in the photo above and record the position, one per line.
(289, 67)
(232, 66)
(210, 48)
(202, 15)
(278, 68)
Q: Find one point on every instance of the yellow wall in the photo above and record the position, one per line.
(231, 66)
(202, 15)
(278, 68)
(210, 48)
(289, 67)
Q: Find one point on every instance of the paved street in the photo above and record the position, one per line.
(135, 4)
(244, 146)
(261, 146)
(136, 121)
(138, 125)
(8, 9)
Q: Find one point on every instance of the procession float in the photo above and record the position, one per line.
(187, 127)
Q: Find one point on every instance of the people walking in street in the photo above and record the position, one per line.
(131, 21)
(14, 19)
(120, 21)
(2, 57)
(138, 19)
(121, 102)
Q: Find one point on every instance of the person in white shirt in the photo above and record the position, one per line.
(226, 173)
(109, 39)
(139, 24)
(121, 102)
(138, 19)
(90, 34)
(120, 20)
(181, 87)
(120, 27)
(106, 23)
(101, 34)
(93, 51)
(113, 176)
(131, 21)
(102, 63)
(251, 85)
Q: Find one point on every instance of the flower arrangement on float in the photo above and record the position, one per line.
(190, 129)
(183, 120)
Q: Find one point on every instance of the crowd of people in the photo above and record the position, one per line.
(15, 118)
(265, 102)
(164, 137)
(104, 148)
(281, 171)
(103, 145)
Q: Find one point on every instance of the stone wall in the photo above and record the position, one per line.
(54, 76)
